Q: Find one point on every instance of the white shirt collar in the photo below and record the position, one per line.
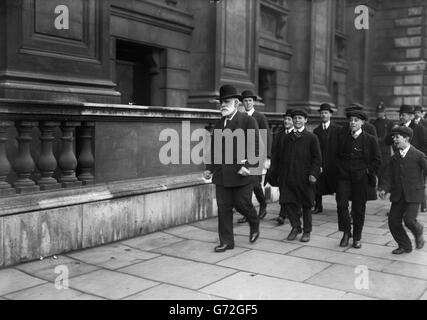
(229, 118)
(300, 129)
(326, 124)
(404, 151)
(358, 132)
(289, 130)
(407, 123)
(251, 112)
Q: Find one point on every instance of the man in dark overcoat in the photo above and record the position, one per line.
(419, 116)
(407, 169)
(230, 170)
(299, 168)
(277, 145)
(358, 161)
(327, 133)
(383, 127)
(248, 99)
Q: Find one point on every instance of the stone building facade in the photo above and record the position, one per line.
(88, 89)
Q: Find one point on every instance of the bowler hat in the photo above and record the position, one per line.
(288, 113)
(405, 108)
(418, 108)
(357, 113)
(228, 91)
(403, 131)
(299, 112)
(380, 107)
(248, 94)
(326, 107)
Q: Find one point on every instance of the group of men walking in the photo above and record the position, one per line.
(353, 162)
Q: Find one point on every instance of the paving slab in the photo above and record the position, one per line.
(376, 231)
(266, 245)
(321, 231)
(207, 224)
(424, 296)
(46, 291)
(265, 233)
(170, 292)
(340, 257)
(46, 268)
(352, 296)
(180, 272)
(194, 233)
(374, 250)
(198, 250)
(152, 241)
(380, 285)
(277, 265)
(246, 286)
(407, 269)
(87, 297)
(112, 256)
(12, 280)
(110, 284)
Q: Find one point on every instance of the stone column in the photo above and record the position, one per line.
(47, 162)
(5, 188)
(86, 160)
(67, 159)
(24, 164)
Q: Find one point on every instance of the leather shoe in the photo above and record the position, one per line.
(253, 237)
(280, 221)
(419, 240)
(401, 250)
(242, 220)
(345, 239)
(293, 234)
(357, 244)
(305, 237)
(262, 211)
(223, 247)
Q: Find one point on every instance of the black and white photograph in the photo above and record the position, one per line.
(234, 152)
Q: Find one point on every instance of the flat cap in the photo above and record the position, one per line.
(357, 113)
(299, 112)
(403, 131)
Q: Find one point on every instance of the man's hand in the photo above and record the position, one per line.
(382, 194)
(312, 179)
(267, 164)
(243, 171)
(207, 175)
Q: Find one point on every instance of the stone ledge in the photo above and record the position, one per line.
(68, 197)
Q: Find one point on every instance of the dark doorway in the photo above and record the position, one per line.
(139, 73)
(267, 89)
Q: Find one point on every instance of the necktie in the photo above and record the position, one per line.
(353, 134)
(324, 126)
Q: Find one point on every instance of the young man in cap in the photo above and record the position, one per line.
(248, 99)
(367, 127)
(327, 133)
(234, 183)
(299, 168)
(419, 116)
(407, 169)
(383, 127)
(277, 146)
(358, 162)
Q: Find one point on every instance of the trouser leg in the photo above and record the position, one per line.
(259, 192)
(307, 221)
(395, 218)
(359, 198)
(242, 199)
(294, 213)
(343, 196)
(224, 199)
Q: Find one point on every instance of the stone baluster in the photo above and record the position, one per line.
(67, 159)
(86, 159)
(24, 164)
(5, 187)
(47, 162)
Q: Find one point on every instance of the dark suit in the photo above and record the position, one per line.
(358, 162)
(406, 185)
(423, 122)
(298, 158)
(233, 189)
(383, 127)
(262, 124)
(328, 140)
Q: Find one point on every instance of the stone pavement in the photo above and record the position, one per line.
(179, 263)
